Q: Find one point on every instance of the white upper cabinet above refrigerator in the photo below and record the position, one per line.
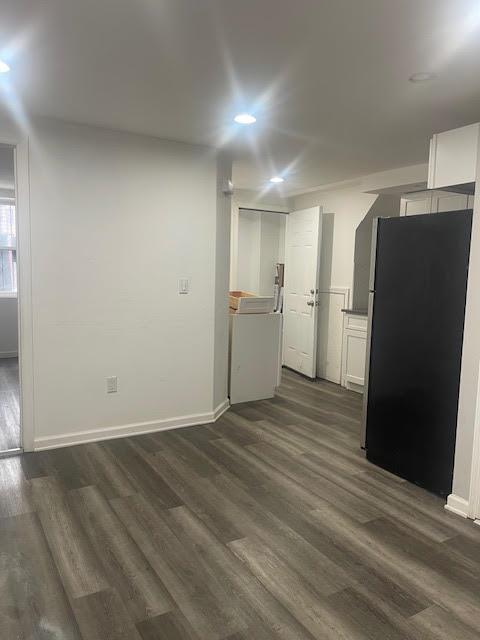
(413, 204)
(453, 157)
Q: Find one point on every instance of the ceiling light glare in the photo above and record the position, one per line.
(245, 118)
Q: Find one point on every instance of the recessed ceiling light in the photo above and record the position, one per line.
(4, 68)
(422, 76)
(245, 118)
(277, 179)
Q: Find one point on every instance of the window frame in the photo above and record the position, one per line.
(12, 247)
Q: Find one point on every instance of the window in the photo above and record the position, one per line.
(8, 248)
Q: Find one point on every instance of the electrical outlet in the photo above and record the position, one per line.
(112, 384)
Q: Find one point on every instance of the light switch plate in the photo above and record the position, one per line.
(112, 384)
(183, 286)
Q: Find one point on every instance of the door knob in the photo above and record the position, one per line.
(310, 303)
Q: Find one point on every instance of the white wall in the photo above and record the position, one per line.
(8, 327)
(385, 206)
(222, 277)
(116, 220)
(343, 211)
(345, 204)
(272, 249)
(248, 252)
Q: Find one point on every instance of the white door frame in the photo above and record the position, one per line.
(20, 144)
(474, 497)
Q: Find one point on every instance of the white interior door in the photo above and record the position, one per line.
(302, 259)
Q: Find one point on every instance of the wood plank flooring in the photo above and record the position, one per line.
(268, 524)
(9, 404)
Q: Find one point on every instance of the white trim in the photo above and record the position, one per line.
(25, 315)
(127, 430)
(258, 200)
(474, 495)
(341, 291)
(353, 386)
(355, 380)
(220, 410)
(457, 505)
(8, 354)
(432, 162)
(345, 292)
(12, 136)
(8, 295)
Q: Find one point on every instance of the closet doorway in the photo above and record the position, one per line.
(10, 431)
(257, 247)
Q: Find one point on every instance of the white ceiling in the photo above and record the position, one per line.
(327, 80)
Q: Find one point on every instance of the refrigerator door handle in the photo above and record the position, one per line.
(363, 433)
(371, 298)
(373, 254)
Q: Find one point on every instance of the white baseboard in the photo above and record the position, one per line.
(220, 410)
(457, 505)
(126, 430)
(8, 354)
(353, 386)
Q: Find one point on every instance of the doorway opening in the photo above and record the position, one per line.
(255, 303)
(257, 249)
(10, 422)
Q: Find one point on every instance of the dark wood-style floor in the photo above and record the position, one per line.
(268, 524)
(9, 404)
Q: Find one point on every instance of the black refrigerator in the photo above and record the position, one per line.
(418, 287)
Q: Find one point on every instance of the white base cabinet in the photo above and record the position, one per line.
(255, 355)
(437, 201)
(354, 351)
